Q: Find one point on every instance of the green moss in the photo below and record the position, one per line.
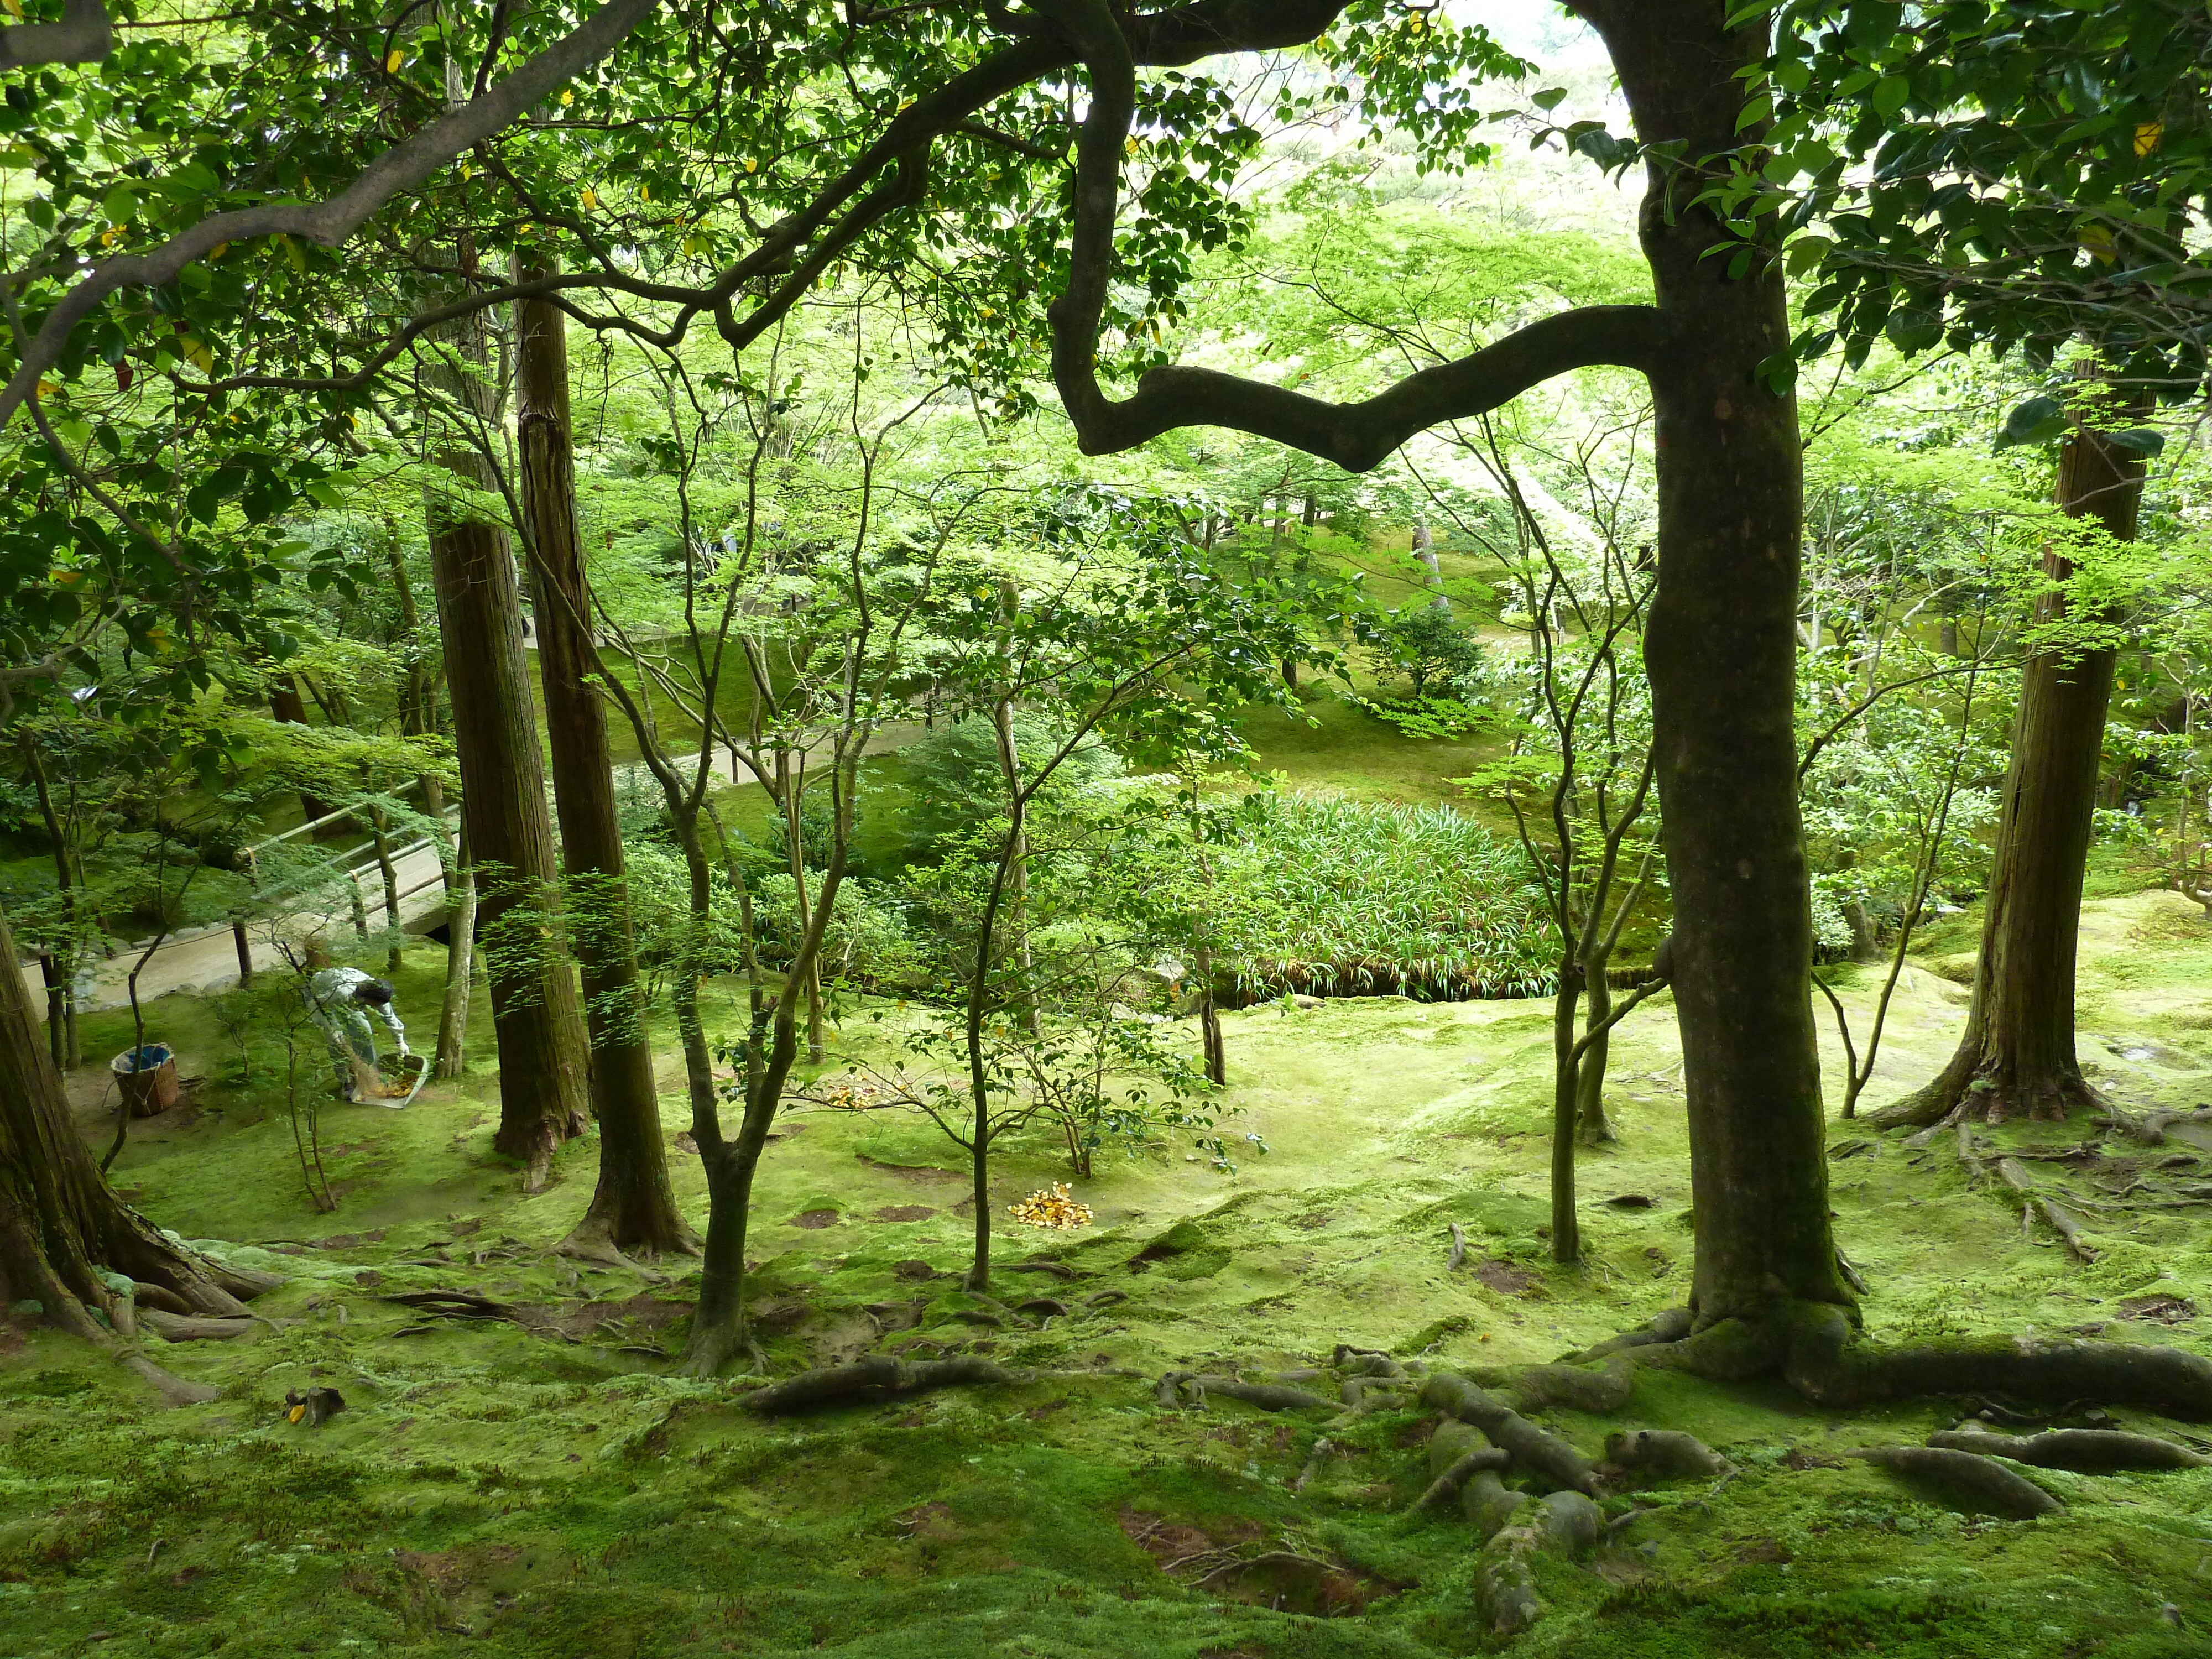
(553, 1498)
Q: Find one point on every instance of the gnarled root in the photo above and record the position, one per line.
(877, 1377)
(1966, 1088)
(1446, 1486)
(2088, 1451)
(1825, 1362)
(1962, 1477)
(1579, 1387)
(1190, 1389)
(1647, 1456)
(1540, 1454)
(1670, 1325)
(1566, 1523)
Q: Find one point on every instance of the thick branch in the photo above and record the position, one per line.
(402, 168)
(1356, 436)
(83, 36)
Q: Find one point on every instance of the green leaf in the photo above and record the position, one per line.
(1890, 94)
(2037, 420)
(2146, 442)
(1549, 98)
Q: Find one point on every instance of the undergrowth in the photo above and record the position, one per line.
(490, 1489)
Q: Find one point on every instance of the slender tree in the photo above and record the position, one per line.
(633, 1207)
(533, 993)
(2017, 1055)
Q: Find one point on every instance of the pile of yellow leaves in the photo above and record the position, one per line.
(1053, 1208)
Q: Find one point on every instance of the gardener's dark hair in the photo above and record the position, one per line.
(378, 991)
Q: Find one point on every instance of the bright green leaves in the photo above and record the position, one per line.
(1409, 66)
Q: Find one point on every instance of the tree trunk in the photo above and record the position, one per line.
(1567, 1229)
(533, 994)
(633, 1207)
(393, 958)
(1592, 1127)
(60, 968)
(285, 705)
(1720, 649)
(2017, 1055)
(1424, 550)
(61, 1225)
(460, 964)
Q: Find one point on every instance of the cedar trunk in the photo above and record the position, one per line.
(633, 1207)
(510, 836)
(1721, 650)
(2017, 1055)
(61, 1223)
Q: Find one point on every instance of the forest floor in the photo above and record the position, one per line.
(542, 1486)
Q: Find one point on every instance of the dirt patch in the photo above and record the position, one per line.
(1505, 1279)
(905, 1213)
(644, 1312)
(1234, 1560)
(933, 1520)
(2166, 1309)
(814, 1218)
(350, 1240)
(910, 1171)
(914, 1270)
(450, 1569)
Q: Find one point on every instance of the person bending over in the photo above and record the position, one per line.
(342, 999)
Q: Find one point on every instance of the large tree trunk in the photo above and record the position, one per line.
(1720, 649)
(2017, 1055)
(633, 1207)
(533, 994)
(62, 1227)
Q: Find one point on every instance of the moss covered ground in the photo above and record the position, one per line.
(547, 1488)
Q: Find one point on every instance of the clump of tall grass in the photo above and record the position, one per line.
(1335, 898)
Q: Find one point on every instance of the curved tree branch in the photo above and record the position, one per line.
(1356, 436)
(402, 168)
(1180, 36)
(83, 36)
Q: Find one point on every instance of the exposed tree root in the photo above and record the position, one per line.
(2088, 1451)
(1322, 1448)
(2015, 1175)
(874, 1378)
(591, 1239)
(1814, 1349)
(1540, 1454)
(1965, 1088)
(1641, 1457)
(1445, 1488)
(1057, 1269)
(192, 1327)
(2150, 1128)
(1365, 1362)
(1962, 1476)
(1191, 1388)
(1566, 1522)
(1670, 1325)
